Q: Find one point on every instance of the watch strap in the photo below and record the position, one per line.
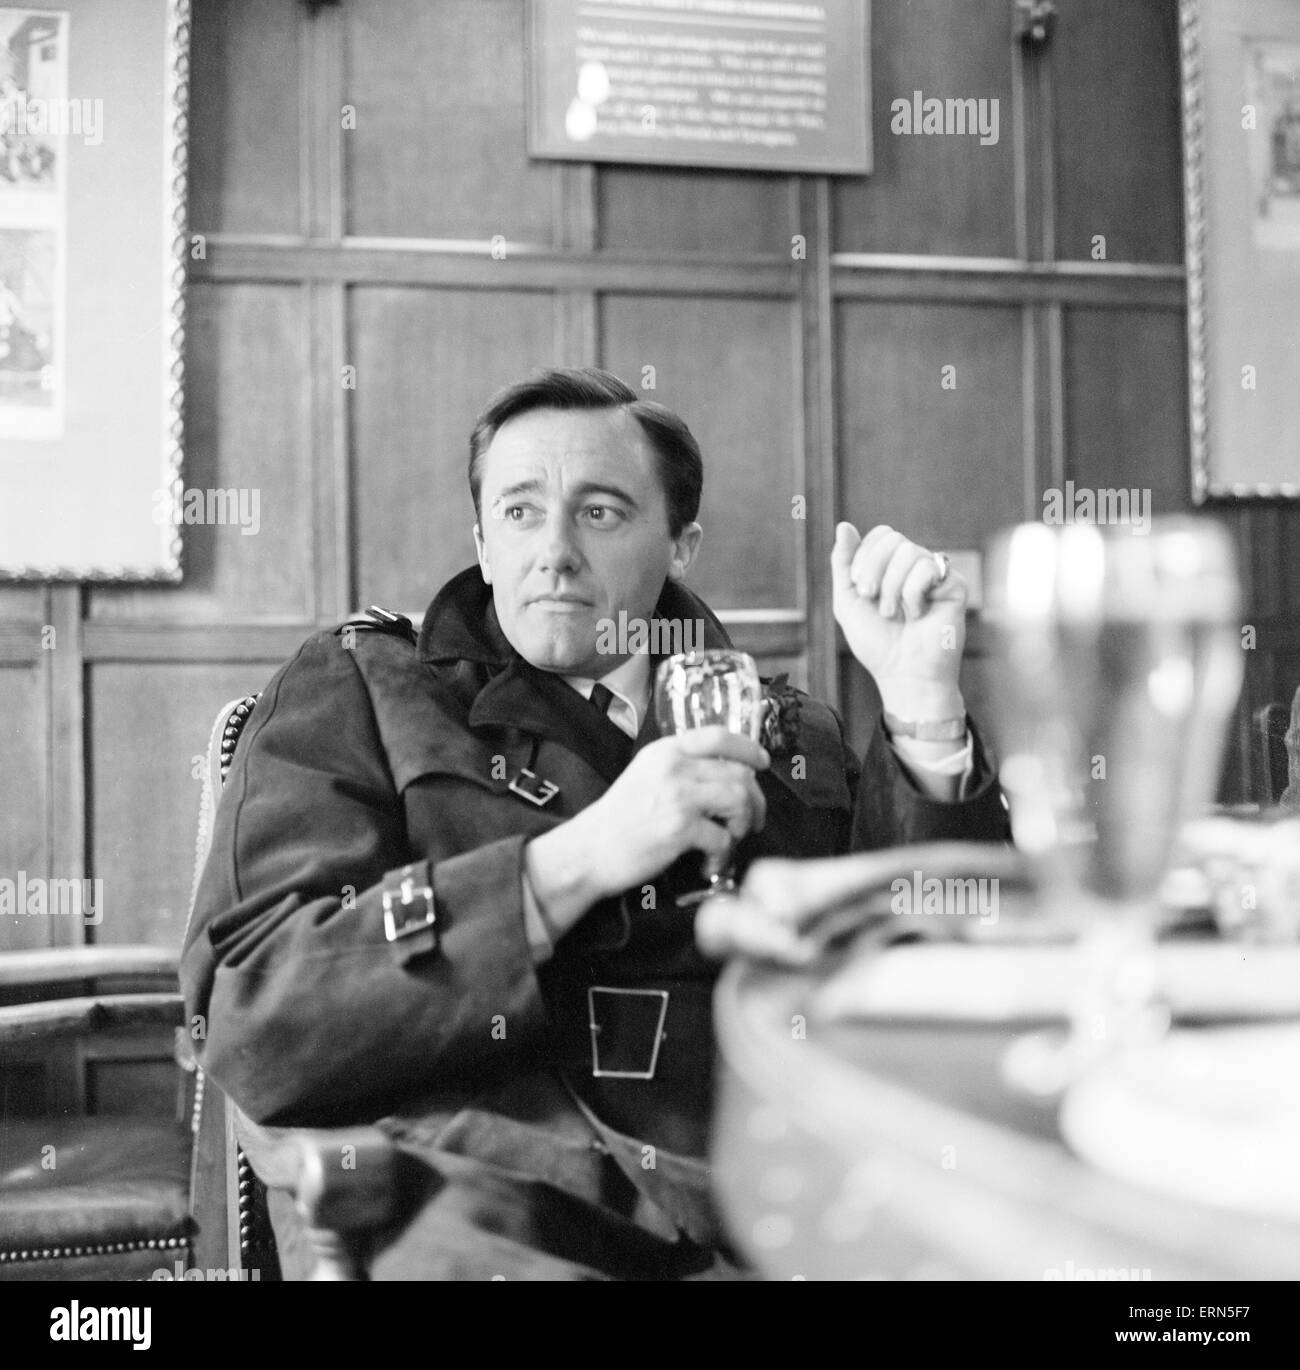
(926, 730)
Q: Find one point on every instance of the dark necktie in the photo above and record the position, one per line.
(601, 697)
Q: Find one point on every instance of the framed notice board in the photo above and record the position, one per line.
(756, 84)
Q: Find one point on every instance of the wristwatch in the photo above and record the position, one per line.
(928, 730)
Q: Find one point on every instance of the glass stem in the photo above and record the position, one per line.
(1116, 1003)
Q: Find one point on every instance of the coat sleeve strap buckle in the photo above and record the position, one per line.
(409, 908)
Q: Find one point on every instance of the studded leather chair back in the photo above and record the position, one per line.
(229, 1200)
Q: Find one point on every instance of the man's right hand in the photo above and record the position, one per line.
(691, 791)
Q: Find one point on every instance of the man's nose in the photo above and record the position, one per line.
(560, 551)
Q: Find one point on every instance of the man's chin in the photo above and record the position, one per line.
(561, 654)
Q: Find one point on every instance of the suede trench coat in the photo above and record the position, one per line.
(543, 1149)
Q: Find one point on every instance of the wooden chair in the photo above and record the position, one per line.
(85, 1196)
(112, 1197)
(1277, 754)
(344, 1180)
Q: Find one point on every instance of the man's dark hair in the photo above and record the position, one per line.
(681, 468)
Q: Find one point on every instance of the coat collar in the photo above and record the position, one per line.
(461, 625)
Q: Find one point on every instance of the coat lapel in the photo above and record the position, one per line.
(540, 703)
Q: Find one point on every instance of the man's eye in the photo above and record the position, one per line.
(602, 513)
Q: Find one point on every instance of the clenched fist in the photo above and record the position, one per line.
(903, 619)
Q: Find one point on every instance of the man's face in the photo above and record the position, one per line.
(574, 529)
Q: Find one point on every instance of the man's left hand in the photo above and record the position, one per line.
(790, 911)
(904, 621)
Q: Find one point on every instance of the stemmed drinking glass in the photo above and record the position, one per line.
(1118, 661)
(701, 689)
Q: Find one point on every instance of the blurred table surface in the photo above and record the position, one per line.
(860, 1150)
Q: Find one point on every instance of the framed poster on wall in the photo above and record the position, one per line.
(1241, 149)
(93, 103)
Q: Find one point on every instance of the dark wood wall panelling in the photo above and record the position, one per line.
(371, 247)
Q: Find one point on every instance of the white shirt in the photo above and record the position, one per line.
(629, 683)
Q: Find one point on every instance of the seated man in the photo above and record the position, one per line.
(530, 1014)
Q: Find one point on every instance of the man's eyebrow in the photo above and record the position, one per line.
(596, 488)
(529, 487)
(523, 487)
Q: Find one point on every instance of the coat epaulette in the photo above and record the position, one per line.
(377, 620)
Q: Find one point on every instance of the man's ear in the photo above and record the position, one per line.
(685, 546)
(481, 550)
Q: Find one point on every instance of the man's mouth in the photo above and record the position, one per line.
(561, 603)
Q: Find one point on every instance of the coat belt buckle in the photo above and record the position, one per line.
(621, 1020)
(536, 791)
